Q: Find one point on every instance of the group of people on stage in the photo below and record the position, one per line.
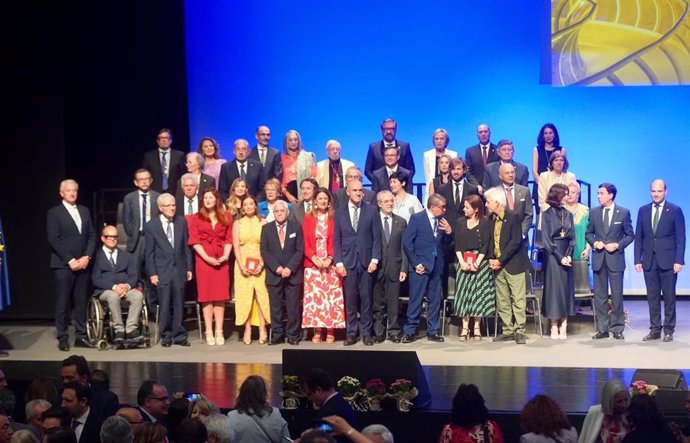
(308, 243)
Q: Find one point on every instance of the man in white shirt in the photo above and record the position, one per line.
(380, 180)
(188, 202)
(85, 423)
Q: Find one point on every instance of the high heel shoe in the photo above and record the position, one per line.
(263, 336)
(220, 339)
(316, 339)
(210, 340)
(554, 332)
(562, 331)
(464, 334)
(247, 337)
(330, 336)
(477, 334)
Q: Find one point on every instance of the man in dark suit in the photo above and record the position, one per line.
(357, 249)
(374, 161)
(340, 198)
(242, 167)
(114, 276)
(102, 401)
(72, 239)
(382, 175)
(153, 403)
(609, 231)
(392, 270)
(271, 162)
(138, 207)
(480, 155)
(320, 390)
(660, 253)
(169, 265)
(282, 247)
(165, 164)
(518, 197)
(505, 152)
(189, 200)
(456, 190)
(423, 238)
(308, 189)
(508, 259)
(85, 421)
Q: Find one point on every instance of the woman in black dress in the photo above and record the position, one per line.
(558, 235)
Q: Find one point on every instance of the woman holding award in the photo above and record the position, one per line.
(475, 294)
(251, 295)
(558, 235)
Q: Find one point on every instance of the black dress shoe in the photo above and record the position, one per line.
(435, 338)
(82, 343)
(276, 341)
(651, 336)
(293, 341)
(618, 336)
(368, 341)
(520, 339)
(166, 344)
(600, 335)
(349, 341)
(394, 338)
(504, 337)
(668, 337)
(380, 338)
(119, 338)
(63, 345)
(409, 338)
(184, 343)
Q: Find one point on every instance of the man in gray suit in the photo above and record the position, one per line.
(609, 231)
(269, 157)
(391, 273)
(518, 198)
(169, 265)
(505, 153)
(308, 188)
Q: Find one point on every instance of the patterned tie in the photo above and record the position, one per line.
(190, 207)
(144, 210)
(435, 227)
(655, 222)
(509, 197)
(355, 218)
(457, 194)
(607, 219)
(281, 234)
(112, 259)
(243, 174)
(386, 229)
(164, 169)
(335, 183)
(169, 233)
(262, 156)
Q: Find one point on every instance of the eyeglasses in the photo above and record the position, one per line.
(163, 399)
(110, 236)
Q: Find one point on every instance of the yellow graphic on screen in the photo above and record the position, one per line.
(620, 42)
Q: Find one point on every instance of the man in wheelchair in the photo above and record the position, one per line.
(114, 277)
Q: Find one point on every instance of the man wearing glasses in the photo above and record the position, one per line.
(422, 241)
(340, 197)
(165, 164)
(154, 401)
(114, 277)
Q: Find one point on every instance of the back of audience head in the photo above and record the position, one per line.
(316, 436)
(252, 399)
(644, 414)
(41, 388)
(23, 436)
(33, 411)
(218, 428)
(179, 409)
(132, 416)
(116, 430)
(614, 397)
(202, 408)
(468, 407)
(100, 379)
(542, 415)
(60, 435)
(378, 434)
(190, 431)
(150, 433)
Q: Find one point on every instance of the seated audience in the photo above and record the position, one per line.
(544, 421)
(6, 430)
(150, 433)
(100, 379)
(378, 434)
(52, 418)
(254, 419)
(154, 402)
(116, 430)
(33, 411)
(218, 428)
(470, 419)
(132, 415)
(23, 436)
(647, 422)
(202, 408)
(104, 402)
(315, 436)
(608, 421)
(85, 421)
(60, 435)
(190, 431)
(320, 390)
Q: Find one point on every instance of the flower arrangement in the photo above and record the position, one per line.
(375, 388)
(349, 387)
(640, 387)
(291, 386)
(400, 386)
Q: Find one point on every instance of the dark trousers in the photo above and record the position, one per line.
(429, 284)
(661, 282)
(288, 294)
(70, 288)
(171, 306)
(357, 286)
(615, 321)
(386, 305)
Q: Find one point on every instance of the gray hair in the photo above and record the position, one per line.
(116, 429)
(442, 131)
(282, 203)
(381, 430)
(608, 392)
(66, 182)
(188, 176)
(218, 425)
(199, 158)
(382, 194)
(163, 197)
(496, 194)
(435, 200)
(29, 408)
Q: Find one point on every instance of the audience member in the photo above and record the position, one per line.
(271, 163)
(8, 403)
(391, 157)
(60, 435)
(23, 436)
(202, 408)
(238, 192)
(190, 431)
(254, 419)
(315, 436)
(342, 428)
(210, 151)
(505, 152)
(33, 411)
(433, 157)
(305, 205)
(75, 367)
(320, 390)
(151, 433)
(165, 164)
(153, 402)
(85, 421)
(545, 422)
(648, 423)
(557, 173)
(374, 161)
(470, 419)
(404, 204)
(188, 200)
(478, 156)
(243, 167)
(132, 415)
(608, 421)
(218, 428)
(180, 409)
(41, 388)
(298, 164)
(116, 430)
(330, 173)
(378, 434)
(100, 379)
(52, 418)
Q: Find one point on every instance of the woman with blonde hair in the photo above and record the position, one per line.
(238, 192)
(298, 164)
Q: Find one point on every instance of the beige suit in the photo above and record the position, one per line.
(322, 171)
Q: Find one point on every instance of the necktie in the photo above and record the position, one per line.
(457, 194)
(386, 228)
(335, 183)
(169, 233)
(144, 210)
(281, 235)
(355, 219)
(262, 156)
(308, 207)
(243, 174)
(509, 197)
(190, 207)
(655, 222)
(435, 227)
(74, 424)
(485, 155)
(112, 259)
(164, 169)
(607, 219)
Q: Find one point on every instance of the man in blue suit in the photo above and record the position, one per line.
(115, 277)
(609, 231)
(357, 248)
(660, 252)
(169, 265)
(422, 241)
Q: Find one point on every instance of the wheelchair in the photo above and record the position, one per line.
(100, 328)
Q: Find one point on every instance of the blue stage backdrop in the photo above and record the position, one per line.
(336, 69)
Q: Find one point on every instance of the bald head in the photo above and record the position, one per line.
(506, 172)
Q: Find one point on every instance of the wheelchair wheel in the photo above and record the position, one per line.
(102, 345)
(94, 321)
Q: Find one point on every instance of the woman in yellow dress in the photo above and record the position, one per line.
(251, 295)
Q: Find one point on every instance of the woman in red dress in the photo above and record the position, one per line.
(324, 305)
(210, 234)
